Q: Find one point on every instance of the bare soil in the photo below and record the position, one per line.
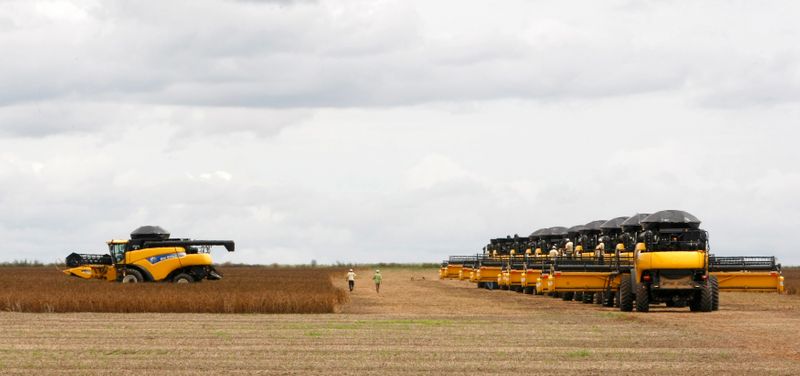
(416, 326)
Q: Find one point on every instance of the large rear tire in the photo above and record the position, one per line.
(598, 298)
(714, 292)
(625, 294)
(706, 298)
(132, 276)
(642, 298)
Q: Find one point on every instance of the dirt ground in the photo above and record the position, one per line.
(416, 326)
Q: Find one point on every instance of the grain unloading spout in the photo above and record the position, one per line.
(229, 245)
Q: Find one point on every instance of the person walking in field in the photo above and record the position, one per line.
(377, 278)
(351, 279)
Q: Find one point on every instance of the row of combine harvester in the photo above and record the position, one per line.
(626, 262)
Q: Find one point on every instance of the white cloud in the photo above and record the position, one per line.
(392, 130)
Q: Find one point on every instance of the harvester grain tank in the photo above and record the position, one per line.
(150, 255)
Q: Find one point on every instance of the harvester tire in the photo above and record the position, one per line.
(578, 296)
(529, 289)
(490, 285)
(588, 298)
(608, 298)
(625, 294)
(183, 278)
(704, 300)
(568, 296)
(642, 298)
(598, 298)
(714, 292)
(132, 276)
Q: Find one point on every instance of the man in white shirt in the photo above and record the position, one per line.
(351, 279)
(569, 248)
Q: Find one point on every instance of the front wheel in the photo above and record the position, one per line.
(183, 278)
(132, 276)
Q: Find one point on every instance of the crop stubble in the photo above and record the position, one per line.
(416, 326)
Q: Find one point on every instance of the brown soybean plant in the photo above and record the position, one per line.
(242, 290)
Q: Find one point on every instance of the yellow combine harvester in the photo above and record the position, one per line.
(628, 262)
(149, 256)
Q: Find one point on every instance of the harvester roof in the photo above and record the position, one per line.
(593, 226)
(614, 223)
(557, 231)
(150, 232)
(540, 232)
(575, 229)
(671, 219)
(634, 222)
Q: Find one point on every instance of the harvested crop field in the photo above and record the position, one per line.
(416, 326)
(242, 290)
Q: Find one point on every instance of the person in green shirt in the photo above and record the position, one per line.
(377, 278)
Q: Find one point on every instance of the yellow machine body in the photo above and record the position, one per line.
(582, 281)
(488, 273)
(530, 276)
(750, 281)
(515, 277)
(453, 271)
(464, 273)
(93, 272)
(543, 284)
(646, 261)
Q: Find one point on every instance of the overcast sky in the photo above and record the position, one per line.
(363, 131)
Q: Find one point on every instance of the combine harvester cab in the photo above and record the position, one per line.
(671, 265)
(150, 256)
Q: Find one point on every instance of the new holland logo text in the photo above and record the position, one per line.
(159, 258)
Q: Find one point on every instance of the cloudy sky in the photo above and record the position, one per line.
(362, 131)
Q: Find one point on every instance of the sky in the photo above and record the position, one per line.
(393, 131)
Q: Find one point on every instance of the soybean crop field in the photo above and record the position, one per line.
(417, 325)
(242, 290)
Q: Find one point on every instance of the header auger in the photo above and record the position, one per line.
(150, 255)
(626, 262)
